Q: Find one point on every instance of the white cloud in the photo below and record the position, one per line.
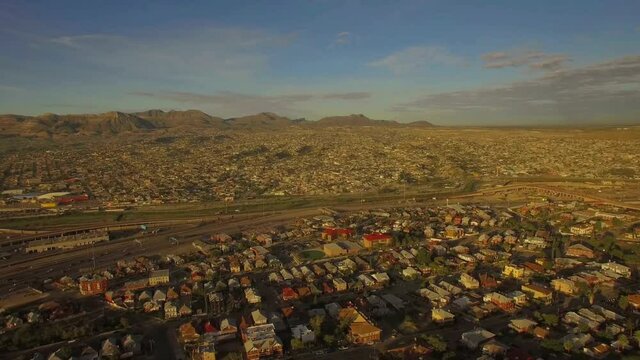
(415, 58)
(535, 60)
(177, 54)
(607, 89)
(342, 38)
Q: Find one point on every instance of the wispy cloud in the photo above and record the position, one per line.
(535, 60)
(234, 103)
(357, 95)
(193, 53)
(415, 58)
(610, 88)
(342, 38)
(9, 88)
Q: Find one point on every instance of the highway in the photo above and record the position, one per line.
(32, 269)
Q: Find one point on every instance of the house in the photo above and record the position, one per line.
(565, 286)
(132, 344)
(522, 325)
(252, 296)
(333, 249)
(514, 271)
(473, 339)
(598, 351)
(468, 281)
(410, 273)
(582, 229)
(580, 251)
(228, 330)
(376, 240)
(363, 333)
(381, 278)
(494, 348)
(634, 301)
(538, 292)
(264, 239)
(216, 303)
(339, 284)
(93, 286)
(289, 294)
(159, 277)
(185, 310)
(330, 234)
(541, 333)
(258, 317)
(453, 232)
(518, 297)
(441, 316)
(347, 265)
(500, 301)
(187, 333)
(204, 350)
(617, 269)
(110, 349)
(170, 310)
(261, 341)
(394, 301)
(303, 333)
(159, 296)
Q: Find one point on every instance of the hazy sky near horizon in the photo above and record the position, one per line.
(448, 62)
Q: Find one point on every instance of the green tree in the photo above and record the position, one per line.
(316, 324)
(623, 302)
(329, 340)
(568, 346)
(552, 344)
(636, 336)
(623, 340)
(550, 319)
(436, 343)
(423, 257)
(296, 344)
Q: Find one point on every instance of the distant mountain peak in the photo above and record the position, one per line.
(116, 122)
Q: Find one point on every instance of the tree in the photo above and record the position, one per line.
(623, 341)
(296, 344)
(436, 343)
(552, 344)
(423, 257)
(636, 335)
(316, 324)
(623, 302)
(568, 345)
(329, 340)
(550, 319)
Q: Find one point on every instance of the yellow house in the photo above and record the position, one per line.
(514, 271)
(538, 292)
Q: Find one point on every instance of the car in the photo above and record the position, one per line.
(318, 352)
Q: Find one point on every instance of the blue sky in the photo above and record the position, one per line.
(449, 62)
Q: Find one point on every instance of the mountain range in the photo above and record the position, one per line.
(114, 123)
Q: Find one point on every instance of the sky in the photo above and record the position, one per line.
(448, 62)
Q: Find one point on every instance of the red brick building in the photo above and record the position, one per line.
(93, 286)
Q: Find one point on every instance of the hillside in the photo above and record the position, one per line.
(114, 123)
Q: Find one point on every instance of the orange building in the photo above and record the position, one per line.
(376, 239)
